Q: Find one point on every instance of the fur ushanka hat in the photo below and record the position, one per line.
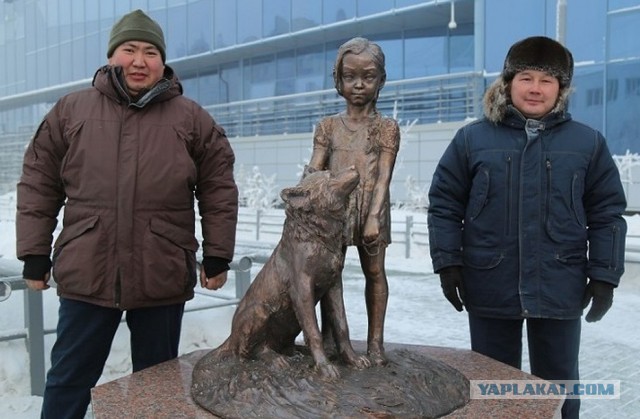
(542, 54)
(534, 53)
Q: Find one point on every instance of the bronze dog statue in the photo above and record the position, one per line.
(305, 266)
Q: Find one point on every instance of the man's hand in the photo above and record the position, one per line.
(213, 283)
(600, 294)
(451, 282)
(38, 285)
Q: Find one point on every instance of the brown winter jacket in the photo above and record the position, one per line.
(127, 174)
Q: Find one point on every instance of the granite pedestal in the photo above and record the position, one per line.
(163, 391)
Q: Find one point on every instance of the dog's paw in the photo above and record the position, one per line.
(361, 362)
(328, 371)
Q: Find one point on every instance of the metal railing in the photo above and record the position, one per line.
(453, 97)
(268, 224)
(34, 331)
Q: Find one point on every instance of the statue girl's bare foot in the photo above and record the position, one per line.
(376, 355)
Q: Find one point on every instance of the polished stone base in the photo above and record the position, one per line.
(409, 385)
(164, 391)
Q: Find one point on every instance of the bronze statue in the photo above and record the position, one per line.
(362, 137)
(342, 200)
(259, 371)
(304, 267)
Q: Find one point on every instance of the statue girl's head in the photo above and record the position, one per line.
(357, 46)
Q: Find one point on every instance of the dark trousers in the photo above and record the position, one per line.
(85, 333)
(554, 346)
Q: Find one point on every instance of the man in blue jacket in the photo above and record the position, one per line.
(525, 218)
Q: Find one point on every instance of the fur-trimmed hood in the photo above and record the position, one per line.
(497, 100)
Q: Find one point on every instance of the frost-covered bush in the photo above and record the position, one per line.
(256, 191)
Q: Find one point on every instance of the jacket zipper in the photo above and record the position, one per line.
(614, 247)
(548, 198)
(117, 289)
(508, 197)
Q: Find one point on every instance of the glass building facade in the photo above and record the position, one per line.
(264, 67)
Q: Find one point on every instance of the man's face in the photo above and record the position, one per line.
(534, 93)
(141, 63)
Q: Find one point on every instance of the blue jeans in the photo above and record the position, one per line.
(85, 333)
(554, 346)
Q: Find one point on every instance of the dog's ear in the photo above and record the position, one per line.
(308, 170)
(295, 197)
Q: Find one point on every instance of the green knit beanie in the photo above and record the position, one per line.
(136, 26)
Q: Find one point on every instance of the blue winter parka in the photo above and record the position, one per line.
(530, 209)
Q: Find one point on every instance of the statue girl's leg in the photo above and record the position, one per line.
(376, 296)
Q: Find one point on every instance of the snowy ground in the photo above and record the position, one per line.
(417, 314)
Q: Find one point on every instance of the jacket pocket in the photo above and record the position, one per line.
(563, 280)
(79, 258)
(477, 258)
(479, 193)
(490, 283)
(577, 191)
(168, 260)
(565, 220)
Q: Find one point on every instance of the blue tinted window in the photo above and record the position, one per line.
(305, 14)
(276, 17)
(425, 53)
(501, 32)
(461, 52)
(249, 24)
(209, 89)
(624, 35)
(404, 3)
(368, 7)
(230, 83)
(338, 10)
(175, 33)
(224, 24)
(199, 27)
(310, 68)
(78, 18)
(190, 88)
(392, 48)
(120, 8)
(586, 41)
(285, 73)
(260, 78)
(620, 4)
(331, 52)
(156, 4)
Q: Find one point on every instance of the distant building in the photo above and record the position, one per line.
(264, 67)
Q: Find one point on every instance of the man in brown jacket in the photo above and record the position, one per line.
(125, 158)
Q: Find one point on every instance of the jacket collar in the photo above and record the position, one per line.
(514, 118)
(108, 80)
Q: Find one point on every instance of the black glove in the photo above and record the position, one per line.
(451, 282)
(214, 265)
(602, 294)
(36, 267)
